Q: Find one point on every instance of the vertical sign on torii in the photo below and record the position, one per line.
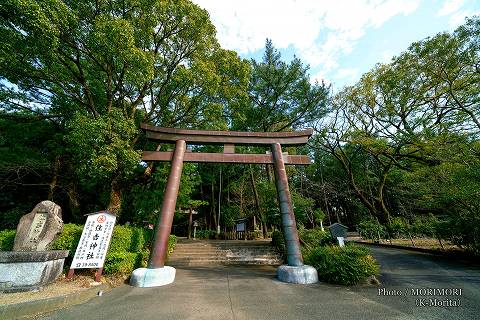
(156, 273)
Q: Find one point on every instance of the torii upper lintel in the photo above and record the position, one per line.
(295, 138)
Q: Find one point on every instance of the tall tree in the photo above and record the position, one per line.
(106, 65)
(398, 113)
(281, 95)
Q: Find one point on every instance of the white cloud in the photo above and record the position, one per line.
(458, 18)
(386, 56)
(320, 32)
(343, 73)
(454, 10)
(449, 7)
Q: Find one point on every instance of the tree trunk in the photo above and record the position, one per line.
(268, 170)
(53, 183)
(149, 169)
(115, 203)
(257, 203)
(73, 202)
(212, 210)
(190, 222)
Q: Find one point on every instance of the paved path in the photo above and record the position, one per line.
(253, 293)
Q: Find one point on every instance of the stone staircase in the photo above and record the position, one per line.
(219, 252)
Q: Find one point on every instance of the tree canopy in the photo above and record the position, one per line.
(78, 77)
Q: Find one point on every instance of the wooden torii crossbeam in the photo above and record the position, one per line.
(229, 139)
(157, 273)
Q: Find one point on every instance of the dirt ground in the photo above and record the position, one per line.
(60, 287)
(425, 243)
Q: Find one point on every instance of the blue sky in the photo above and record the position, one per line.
(339, 39)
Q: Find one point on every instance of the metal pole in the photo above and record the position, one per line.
(294, 255)
(165, 219)
(190, 221)
(219, 202)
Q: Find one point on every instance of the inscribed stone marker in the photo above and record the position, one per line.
(37, 230)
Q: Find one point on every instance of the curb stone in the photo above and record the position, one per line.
(30, 308)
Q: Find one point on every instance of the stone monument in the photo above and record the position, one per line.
(31, 265)
(37, 230)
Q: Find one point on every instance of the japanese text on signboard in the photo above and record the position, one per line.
(93, 245)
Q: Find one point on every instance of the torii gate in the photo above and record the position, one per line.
(156, 273)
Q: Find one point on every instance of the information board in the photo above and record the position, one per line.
(93, 245)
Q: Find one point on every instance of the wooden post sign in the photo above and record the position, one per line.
(94, 242)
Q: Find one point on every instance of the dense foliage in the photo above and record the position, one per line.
(342, 265)
(77, 78)
(312, 238)
(129, 247)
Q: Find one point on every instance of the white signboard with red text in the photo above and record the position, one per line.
(93, 245)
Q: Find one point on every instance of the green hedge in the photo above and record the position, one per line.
(342, 265)
(315, 237)
(68, 239)
(125, 262)
(129, 248)
(6, 240)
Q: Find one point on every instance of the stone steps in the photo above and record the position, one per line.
(219, 252)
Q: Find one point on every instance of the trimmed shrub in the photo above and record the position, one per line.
(122, 239)
(129, 246)
(122, 262)
(7, 238)
(315, 237)
(68, 239)
(342, 265)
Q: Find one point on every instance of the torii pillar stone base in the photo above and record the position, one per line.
(146, 278)
(297, 274)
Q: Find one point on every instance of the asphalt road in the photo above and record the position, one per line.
(253, 293)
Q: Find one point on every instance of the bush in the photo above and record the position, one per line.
(315, 237)
(342, 265)
(172, 242)
(465, 231)
(126, 239)
(398, 227)
(278, 241)
(370, 229)
(68, 239)
(129, 247)
(443, 229)
(123, 262)
(7, 238)
(252, 235)
(424, 226)
(205, 234)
